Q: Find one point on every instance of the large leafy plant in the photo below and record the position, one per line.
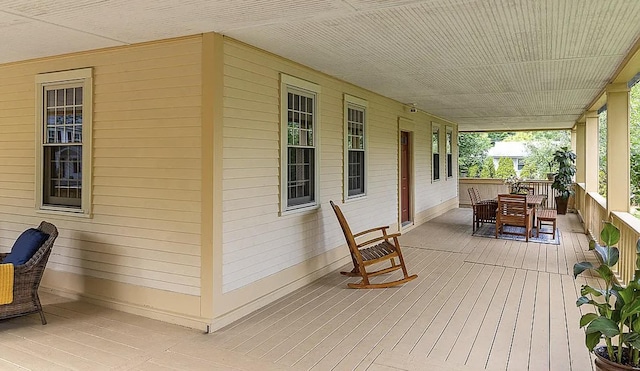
(563, 181)
(617, 309)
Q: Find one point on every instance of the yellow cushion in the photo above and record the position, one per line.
(6, 283)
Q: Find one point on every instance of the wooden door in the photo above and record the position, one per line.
(405, 177)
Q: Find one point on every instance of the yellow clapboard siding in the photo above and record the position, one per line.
(147, 103)
(157, 204)
(147, 173)
(149, 183)
(166, 163)
(251, 96)
(146, 163)
(157, 153)
(126, 237)
(159, 193)
(192, 141)
(139, 114)
(148, 93)
(131, 212)
(111, 88)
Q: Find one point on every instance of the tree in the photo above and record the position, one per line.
(602, 153)
(529, 171)
(634, 131)
(488, 171)
(499, 136)
(474, 171)
(505, 168)
(472, 149)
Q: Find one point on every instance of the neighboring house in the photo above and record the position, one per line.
(190, 177)
(516, 151)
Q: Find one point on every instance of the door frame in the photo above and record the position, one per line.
(405, 125)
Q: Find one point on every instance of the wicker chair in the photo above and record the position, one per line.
(27, 279)
(484, 211)
(375, 250)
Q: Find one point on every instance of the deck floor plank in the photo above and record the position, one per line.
(478, 304)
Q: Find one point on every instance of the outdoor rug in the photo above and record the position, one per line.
(489, 230)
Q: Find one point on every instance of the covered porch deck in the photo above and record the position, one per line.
(478, 303)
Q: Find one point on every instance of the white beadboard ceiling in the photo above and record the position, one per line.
(487, 65)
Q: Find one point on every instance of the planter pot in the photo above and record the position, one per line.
(603, 363)
(561, 205)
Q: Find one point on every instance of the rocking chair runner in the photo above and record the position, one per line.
(372, 251)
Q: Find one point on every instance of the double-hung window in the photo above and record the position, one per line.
(63, 101)
(449, 149)
(435, 151)
(299, 169)
(355, 146)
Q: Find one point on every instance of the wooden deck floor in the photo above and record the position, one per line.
(478, 303)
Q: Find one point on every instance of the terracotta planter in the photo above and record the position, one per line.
(603, 364)
(561, 205)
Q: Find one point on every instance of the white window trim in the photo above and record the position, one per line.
(83, 76)
(358, 103)
(287, 82)
(435, 126)
(448, 130)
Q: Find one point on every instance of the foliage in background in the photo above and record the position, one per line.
(488, 170)
(634, 131)
(472, 149)
(499, 136)
(540, 144)
(505, 168)
(602, 153)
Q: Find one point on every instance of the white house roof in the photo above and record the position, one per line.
(509, 149)
(488, 65)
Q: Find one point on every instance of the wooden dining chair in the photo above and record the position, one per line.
(484, 211)
(372, 251)
(513, 211)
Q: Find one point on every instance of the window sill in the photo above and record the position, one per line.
(355, 198)
(61, 211)
(300, 210)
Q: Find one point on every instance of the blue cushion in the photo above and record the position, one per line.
(25, 246)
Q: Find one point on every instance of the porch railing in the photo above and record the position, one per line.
(592, 207)
(490, 188)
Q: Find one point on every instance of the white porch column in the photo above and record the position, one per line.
(618, 147)
(591, 151)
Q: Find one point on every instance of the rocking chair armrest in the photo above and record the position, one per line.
(371, 230)
(381, 238)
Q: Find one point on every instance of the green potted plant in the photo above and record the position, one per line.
(550, 174)
(616, 319)
(563, 180)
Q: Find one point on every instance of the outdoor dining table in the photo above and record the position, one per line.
(534, 201)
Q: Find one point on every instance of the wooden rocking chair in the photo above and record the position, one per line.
(375, 250)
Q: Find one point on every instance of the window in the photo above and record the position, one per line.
(449, 153)
(435, 150)
(520, 163)
(64, 127)
(299, 143)
(355, 146)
